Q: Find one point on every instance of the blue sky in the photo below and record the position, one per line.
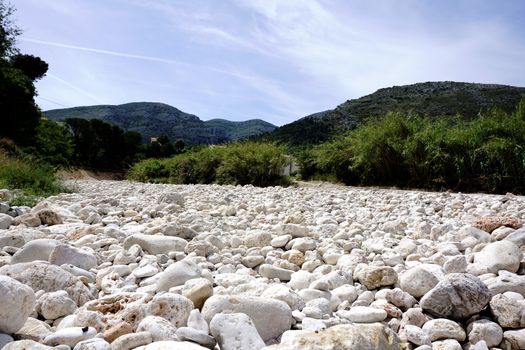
(278, 60)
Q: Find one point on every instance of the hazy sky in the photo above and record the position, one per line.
(272, 59)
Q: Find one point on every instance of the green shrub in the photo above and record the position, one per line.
(485, 154)
(31, 177)
(240, 163)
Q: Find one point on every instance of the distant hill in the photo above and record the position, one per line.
(153, 119)
(431, 99)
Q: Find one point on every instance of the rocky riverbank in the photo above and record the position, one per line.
(122, 265)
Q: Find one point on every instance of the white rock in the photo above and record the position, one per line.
(485, 330)
(416, 335)
(191, 334)
(70, 336)
(50, 278)
(177, 274)
(235, 331)
(441, 328)
(159, 328)
(53, 305)
(197, 321)
(93, 344)
(131, 341)
(39, 249)
(5, 221)
(172, 345)
(364, 314)
(271, 317)
(16, 304)
(417, 281)
(355, 336)
(156, 244)
(270, 271)
(66, 254)
(502, 255)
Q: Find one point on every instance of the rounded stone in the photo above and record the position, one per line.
(458, 296)
(235, 331)
(502, 255)
(417, 281)
(177, 274)
(16, 304)
(365, 314)
(441, 328)
(485, 330)
(271, 317)
(373, 277)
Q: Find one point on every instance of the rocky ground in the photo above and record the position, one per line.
(122, 265)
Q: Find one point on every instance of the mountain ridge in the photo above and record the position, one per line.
(152, 119)
(431, 99)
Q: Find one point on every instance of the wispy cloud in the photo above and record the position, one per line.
(279, 59)
(105, 52)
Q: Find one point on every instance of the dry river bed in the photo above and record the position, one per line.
(120, 265)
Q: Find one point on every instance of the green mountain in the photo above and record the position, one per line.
(431, 99)
(154, 119)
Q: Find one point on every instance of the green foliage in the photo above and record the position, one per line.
(54, 143)
(430, 99)
(164, 148)
(19, 114)
(484, 154)
(101, 145)
(34, 179)
(8, 30)
(240, 163)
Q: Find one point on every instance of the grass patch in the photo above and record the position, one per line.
(34, 180)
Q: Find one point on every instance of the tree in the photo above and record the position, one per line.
(19, 115)
(32, 66)
(179, 146)
(8, 31)
(54, 142)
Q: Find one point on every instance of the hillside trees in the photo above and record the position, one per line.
(98, 144)
(485, 154)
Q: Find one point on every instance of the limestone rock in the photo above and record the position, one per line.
(173, 307)
(178, 273)
(70, 336)
(16, 304)
(39, 249)
(364, 336)
(156, 244)
(66, 254)
(441, 328)
(271, 317)
(502, 255)
(458, 296)
(159, 328)
(50, 278)
(5, 221)
(53, 305)
(373, 277)
(509, 313)
(485, 330)
(417, 281)
(235, 331)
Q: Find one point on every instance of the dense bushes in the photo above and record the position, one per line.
(32, 178)
(486, 154)
(241, 163)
